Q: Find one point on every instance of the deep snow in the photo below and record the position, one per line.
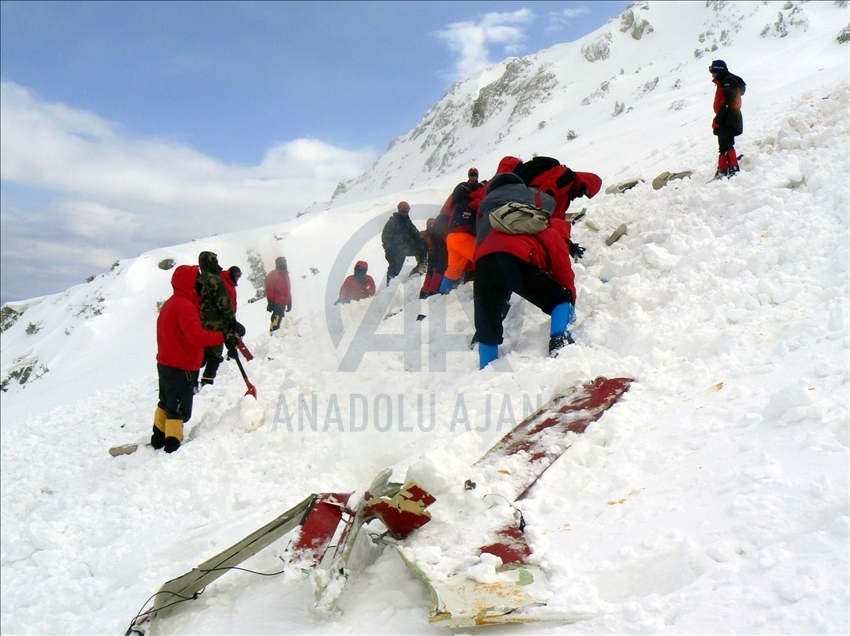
(713, 498)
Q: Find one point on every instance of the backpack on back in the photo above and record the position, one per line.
(519, 218)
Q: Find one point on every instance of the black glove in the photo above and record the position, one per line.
(238, 328)
(270, 306)
(230, 342)
(461, 192)
(289, 306)
(576, 250)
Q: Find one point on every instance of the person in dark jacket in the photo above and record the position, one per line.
(231, 277)
(358, 286)
(278, 292)
(535, 266)
(728, 122)
(217, 313)
(460, 238)
(437, 259)
(401, 239)
(181, 340)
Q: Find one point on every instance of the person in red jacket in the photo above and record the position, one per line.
(357, 286)
(728, 122)
(534, 266)
(181, 341)
(231, 278)
(278, 292)
(559, 182)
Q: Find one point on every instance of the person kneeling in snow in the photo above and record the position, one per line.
(181, 342)
(535, 266)
(358, 286)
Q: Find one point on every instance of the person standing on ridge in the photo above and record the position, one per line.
(728, 122)
(217, 312)
(358, 286)
(401, 239)
(180, 340)
(278, 292)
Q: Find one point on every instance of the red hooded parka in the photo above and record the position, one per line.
(180, 338)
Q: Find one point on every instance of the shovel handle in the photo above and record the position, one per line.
(252, 390)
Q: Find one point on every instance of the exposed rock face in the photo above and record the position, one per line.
(600, 49)
(634, 24)
(791, 16)
(515, 82)
(8, 317)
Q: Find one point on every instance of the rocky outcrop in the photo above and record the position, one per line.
(599, 49)
(632, 23)
(791, 16)
(520, 82)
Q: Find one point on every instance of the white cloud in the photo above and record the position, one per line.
(94, 220)
(471, 41)
(71, 151)
(559, 19)
(119, 194)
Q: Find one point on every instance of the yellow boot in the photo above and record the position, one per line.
(173, 435)
(158, 437)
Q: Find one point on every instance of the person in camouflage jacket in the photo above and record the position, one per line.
(401, 239)
(216, 311)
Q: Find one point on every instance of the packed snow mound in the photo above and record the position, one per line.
(712, 497)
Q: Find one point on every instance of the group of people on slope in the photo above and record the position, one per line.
(462, 244)
(195, 325)
(198, 321)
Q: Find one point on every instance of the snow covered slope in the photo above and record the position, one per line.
(617, 97)
(713, 498)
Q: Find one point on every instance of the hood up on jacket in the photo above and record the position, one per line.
(183, 281)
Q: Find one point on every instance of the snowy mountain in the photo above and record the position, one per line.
(641, 81)
(713, 497)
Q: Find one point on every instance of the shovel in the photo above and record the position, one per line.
(252, 390)
(243, 349)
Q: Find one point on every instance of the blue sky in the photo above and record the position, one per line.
(116, 115)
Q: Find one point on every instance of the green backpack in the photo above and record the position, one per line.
(519, 218)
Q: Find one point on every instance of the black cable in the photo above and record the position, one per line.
(183, 599)
(143, 612)
(233, 567)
